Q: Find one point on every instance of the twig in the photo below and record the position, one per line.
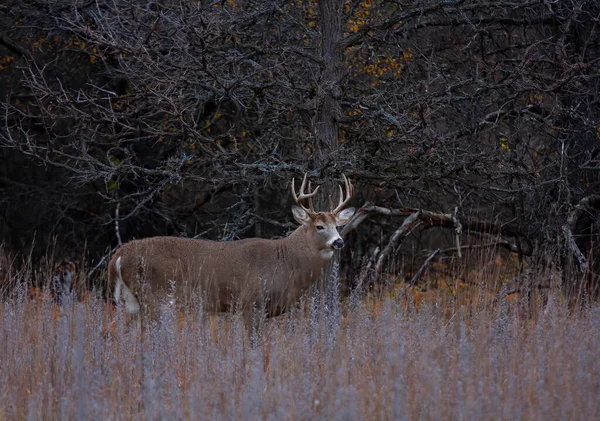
(287, 225)
(99, 264)
(15, 48)
(117, 224)
(477, 246)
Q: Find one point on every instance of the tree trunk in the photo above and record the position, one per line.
(329, 91)
(327, 117)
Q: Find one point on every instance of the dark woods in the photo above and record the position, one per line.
(132, 119)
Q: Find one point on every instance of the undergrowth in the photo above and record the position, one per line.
(389, 358)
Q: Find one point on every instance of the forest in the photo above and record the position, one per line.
(469, 282)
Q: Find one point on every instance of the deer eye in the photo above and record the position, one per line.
(320, 227)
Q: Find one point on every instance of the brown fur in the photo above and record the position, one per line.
(235, 274)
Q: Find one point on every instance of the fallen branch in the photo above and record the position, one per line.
(415, 278)
(585, 204)
(431, 219)
(457, 231)
(401, 233)
(574, 248)
(364, 273)
(588, 202)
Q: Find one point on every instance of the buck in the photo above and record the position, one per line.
(242, 274)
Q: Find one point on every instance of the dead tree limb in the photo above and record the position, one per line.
(415, 278)
(585, 204)
(457, 232)
(431, 219)
(364, 273)
(574, 248)
(401, 233)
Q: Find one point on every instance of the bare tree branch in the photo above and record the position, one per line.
(417, 276)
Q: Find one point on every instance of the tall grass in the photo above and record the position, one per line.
(387, 360)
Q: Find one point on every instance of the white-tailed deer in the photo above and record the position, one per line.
(243, 274)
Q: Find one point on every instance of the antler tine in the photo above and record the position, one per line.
(300, 196)
(349, 194)
(303, 184)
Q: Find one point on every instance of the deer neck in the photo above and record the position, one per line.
(308, 262)
(300, 241)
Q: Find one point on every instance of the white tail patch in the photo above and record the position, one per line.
(131, 303)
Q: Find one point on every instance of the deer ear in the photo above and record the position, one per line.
(300, 215)
(344, 216)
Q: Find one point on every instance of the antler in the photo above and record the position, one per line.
(301, 195)
(349, 195)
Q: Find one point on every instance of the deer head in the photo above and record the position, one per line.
(321, 227)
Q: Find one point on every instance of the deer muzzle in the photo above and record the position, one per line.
(337, 244)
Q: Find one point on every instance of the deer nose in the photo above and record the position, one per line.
(338, 244)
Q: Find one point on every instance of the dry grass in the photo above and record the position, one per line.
(386, 361)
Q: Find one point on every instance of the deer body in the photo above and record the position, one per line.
(243, 274)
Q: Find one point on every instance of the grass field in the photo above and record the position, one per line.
(388, 359)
